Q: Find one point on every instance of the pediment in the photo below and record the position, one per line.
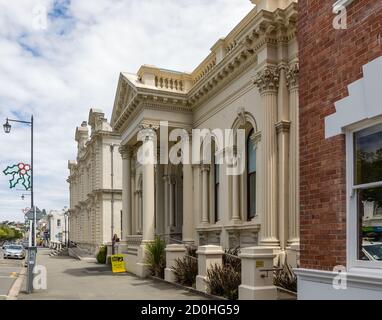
(125, 93)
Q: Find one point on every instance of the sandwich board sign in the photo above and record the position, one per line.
(117, 263)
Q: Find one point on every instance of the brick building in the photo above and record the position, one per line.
(340, 149)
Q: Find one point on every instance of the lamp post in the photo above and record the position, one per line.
(7, 129)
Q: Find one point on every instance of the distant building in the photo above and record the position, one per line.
(57, 226)
(95, 184)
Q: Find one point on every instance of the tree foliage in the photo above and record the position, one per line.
(8, 233)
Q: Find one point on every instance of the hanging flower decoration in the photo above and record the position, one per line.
(21, 173)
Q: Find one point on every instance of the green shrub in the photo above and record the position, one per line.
(186, 269)
(156, 258)
(286, 278)
(101, 256)
(224, 280)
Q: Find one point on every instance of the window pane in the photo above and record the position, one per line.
(368, 155)
(370, 224)
(251, 155)
(251, 195)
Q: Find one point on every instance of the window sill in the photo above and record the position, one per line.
(365, 278)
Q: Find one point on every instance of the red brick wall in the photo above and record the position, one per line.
(329, 61)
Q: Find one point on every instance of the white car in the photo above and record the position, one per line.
(14, 251)
(372, 251)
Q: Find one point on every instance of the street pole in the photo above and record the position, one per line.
(32, 198)
(32, 232)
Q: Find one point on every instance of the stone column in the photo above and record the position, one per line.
(188, 204)
(133, 201)
(267, 82)
(159, 195)
(197, 200)
(125, 152)
(294, 210)
(257, 284)
(282, 129)
(148, 184)
(171, 204)
(166, 204)
(205, 193)
(207, 256)
(235, 198)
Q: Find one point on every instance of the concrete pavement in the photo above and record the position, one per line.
(9, 270)
(69, 279)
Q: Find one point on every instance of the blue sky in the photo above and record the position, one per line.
(59, 58)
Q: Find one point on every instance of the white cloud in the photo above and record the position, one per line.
(60, 72)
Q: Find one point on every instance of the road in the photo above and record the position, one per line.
(9, 269)
(68, 278)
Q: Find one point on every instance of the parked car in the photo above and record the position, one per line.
(14, 251)
(372, 251)
(5, 244)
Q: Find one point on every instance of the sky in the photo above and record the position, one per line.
(59, 58)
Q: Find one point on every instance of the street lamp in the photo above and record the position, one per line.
(7, 129)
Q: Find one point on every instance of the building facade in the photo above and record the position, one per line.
(95, 184)
(340, 150)
(249, 81)
(57, 226)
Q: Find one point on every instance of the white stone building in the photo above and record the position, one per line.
(248, 81)
(58, 226)
(95, 183)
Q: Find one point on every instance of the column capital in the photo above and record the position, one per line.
(283, 126)
(267, 79)
(148, 131)
(292, 76)
(205, 167)
(126, 151)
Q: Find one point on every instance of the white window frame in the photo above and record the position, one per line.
(351, 202)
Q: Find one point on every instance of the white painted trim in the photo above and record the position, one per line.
(351, 204)
(362, 103)
(355, 279)
(341, 3)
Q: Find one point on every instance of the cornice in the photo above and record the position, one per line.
(241, 47)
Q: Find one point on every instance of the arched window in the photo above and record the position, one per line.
(251, 177)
